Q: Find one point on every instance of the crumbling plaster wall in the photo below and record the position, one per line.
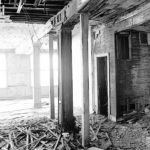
(104, 42)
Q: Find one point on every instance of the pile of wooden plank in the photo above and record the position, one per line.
(46, 134)
(37, 134)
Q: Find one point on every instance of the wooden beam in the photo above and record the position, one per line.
(52, 105)
(65, 78)
(85, 75)
(62, 17)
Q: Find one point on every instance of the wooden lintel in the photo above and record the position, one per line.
(62, 17)
(85, 77)
(134, 18)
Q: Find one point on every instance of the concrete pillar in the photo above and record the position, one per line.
(52, 106)
(36, 75)
(65, 77)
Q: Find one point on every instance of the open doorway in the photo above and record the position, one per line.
(102, 82)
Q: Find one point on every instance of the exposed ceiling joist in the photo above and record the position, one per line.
(31, 7)
(38, 9)
(41, 5)
(54, 0)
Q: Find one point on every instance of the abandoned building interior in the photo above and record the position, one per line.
(66, 58)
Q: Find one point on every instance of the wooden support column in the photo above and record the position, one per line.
(85, 76)
(65, 78)
(36, 74)
(52, 106)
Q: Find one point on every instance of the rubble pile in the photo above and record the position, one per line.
(36, 134)
(123, 135)
(46, 134)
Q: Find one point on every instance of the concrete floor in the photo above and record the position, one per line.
(23, 109)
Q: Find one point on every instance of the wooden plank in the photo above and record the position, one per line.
(65, 76)
(20, 6)
(52, 105)
(85, 75)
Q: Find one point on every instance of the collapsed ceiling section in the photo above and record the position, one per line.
(32, 11)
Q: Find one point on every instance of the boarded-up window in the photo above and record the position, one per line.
(122, 45)
(143, 38)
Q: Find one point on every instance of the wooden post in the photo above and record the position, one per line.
(65, 77)
(85, 76)
(52, 105)
(36, 72)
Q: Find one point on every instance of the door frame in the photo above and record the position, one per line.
(96, 56)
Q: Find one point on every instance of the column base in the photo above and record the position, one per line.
(112, 118)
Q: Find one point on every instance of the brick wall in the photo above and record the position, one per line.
(133, 76)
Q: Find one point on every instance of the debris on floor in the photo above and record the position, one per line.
(36, 134)
(45, 134)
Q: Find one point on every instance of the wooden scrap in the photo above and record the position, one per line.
(57, 142)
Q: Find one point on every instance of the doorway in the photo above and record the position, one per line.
(102, 85)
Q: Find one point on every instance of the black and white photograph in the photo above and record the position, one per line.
(74, 74)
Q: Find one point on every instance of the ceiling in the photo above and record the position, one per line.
(106, 11)
(33, 11)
